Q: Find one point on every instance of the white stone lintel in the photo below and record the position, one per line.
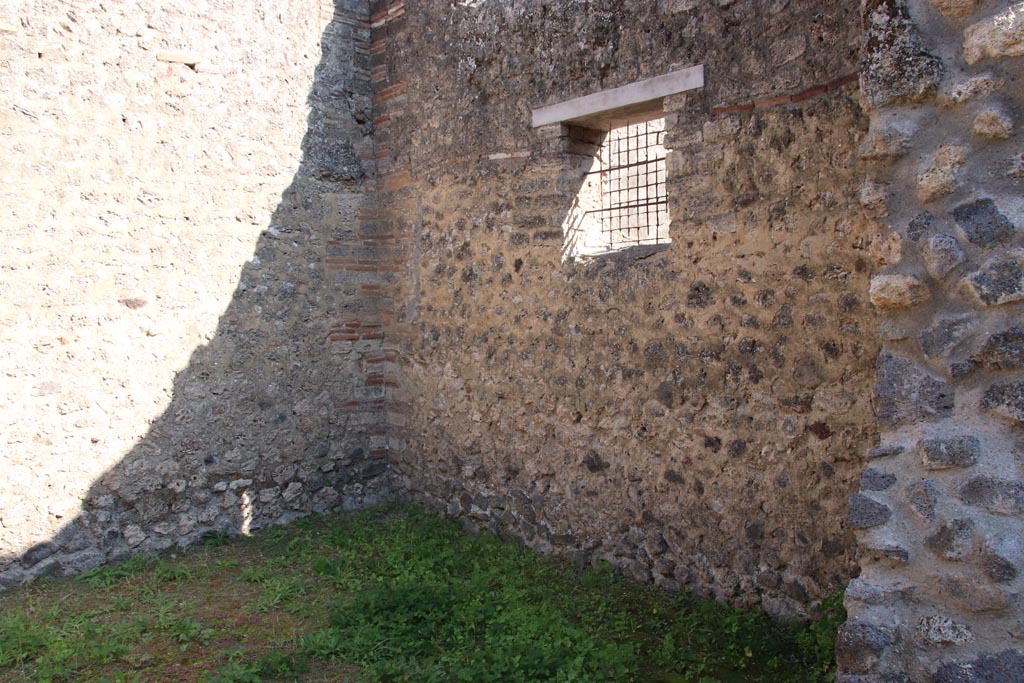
(647, 91)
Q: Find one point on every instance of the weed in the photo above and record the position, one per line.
(21, 638)
(172, 571)
(276, 592)
(108, 577)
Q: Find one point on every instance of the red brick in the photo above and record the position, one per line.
(732, 109)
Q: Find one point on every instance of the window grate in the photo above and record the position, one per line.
(634, 201)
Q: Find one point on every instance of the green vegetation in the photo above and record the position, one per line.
(387, 596)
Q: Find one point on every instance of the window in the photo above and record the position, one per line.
(619, 137)
(622, 201)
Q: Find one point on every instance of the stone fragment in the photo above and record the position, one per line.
(866, 513)
(1000, 280)
(905, 393)
(1003, 350)
(886, 141)
(941, 630)
(1001, 555)
(885, 451)
(998, 36)
(890, 330)
(939, 178)
(1006, 400)
(873, 594)
(923, 497)
(958, 451)
(133, 535)
(897, 291)
(942, 253)
(876, 480)
(1000, 496)
(1001, 667)
(997, 567)
(896, 66)
(974, 596)
(860, 646)
(887, 553)
(874, 197)
(955, 8)
(292, 491)
(886, 250)
(944, 335)
(953, 540)
(983, 223)
(969, 89)
(993, 123)
(919, 225)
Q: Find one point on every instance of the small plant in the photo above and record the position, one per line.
(108, 577)
(172, 571)
(276, 592)
(21, 638)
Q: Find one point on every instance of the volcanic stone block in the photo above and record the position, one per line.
(866, 513)
(905, 393)
(959, 451)
(1001, 667)
(1003, 350)
(983, 223)
(860, 646)
(1005, 400)
(1000, 280)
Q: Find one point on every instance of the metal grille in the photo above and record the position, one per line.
(634, 203)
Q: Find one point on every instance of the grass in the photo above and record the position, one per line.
(386, 596)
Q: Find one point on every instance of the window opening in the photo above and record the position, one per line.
(634, 204)
(622, 202)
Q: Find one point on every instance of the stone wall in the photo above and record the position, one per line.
(940, 507)
(177, 357)
(697, 416)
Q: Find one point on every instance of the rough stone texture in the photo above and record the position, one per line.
(865, 513)
(942, 253)
(955, 8)
(661, 407)
(942, 630)
(1000, 667)
(994, 123)
(950, 548)
(166, 305)
(1002, 350)
(958, 451)
(953, 540)
(859, 647)
(969, 89)
(897, 291)
(1006, 400)
(938, 179)
(995, 495)
(1000, 280)
(1001, 35)
(906, 393)
(896, 66)
(944, 335)
(876, 480)
(213, 325)
(984, 224)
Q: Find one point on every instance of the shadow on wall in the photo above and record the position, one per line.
(253, 434)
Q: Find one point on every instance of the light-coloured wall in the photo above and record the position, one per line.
(166, 315)
(940, 508)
